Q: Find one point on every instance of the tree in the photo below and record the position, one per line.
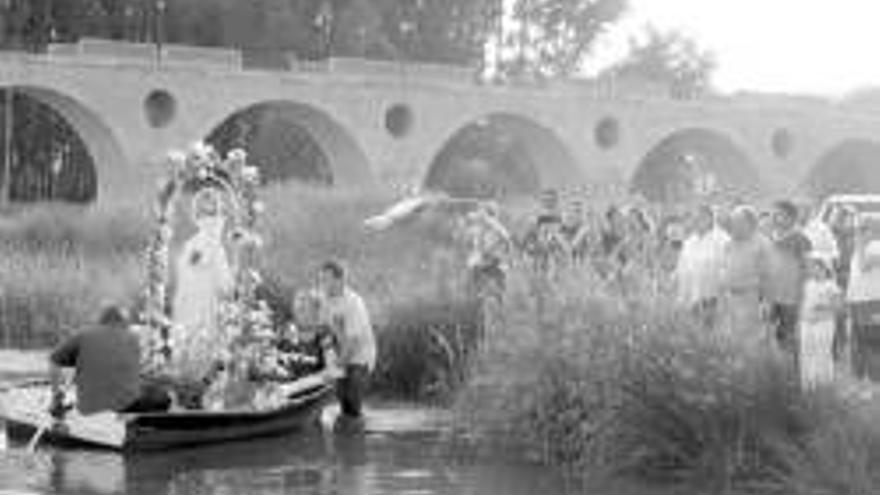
(439, 31)
(669, 58)
(551, 38)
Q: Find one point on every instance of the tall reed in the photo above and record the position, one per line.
(617, 382)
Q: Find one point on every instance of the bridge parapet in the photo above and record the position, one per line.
(194, 57)
(147, 54)
(431, 72)
(93, 47)
(185, 55)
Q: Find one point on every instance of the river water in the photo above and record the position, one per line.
(404, 450)
(404, 460)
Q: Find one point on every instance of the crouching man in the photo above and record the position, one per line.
(107, 364)
(349, 320)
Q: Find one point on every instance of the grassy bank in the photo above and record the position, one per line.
(631, 388)
(57, 265)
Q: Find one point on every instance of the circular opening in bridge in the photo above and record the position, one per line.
(501, 155)
(399, 120)
(46, 158)
(160, 108)
(607, 133)
(695, 164)
(782, 143)
(849, 167)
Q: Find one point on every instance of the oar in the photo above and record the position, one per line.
(43, 428)
(32, 445)
(6, 387)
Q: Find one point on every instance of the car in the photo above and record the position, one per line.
(860, 203)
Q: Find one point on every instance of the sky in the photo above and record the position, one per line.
(816, 47)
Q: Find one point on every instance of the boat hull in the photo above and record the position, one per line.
(24, 414)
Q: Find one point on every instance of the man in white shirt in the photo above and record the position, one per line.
(698, 271)
(347, 315)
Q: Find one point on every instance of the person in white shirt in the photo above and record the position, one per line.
(698, 271)
(347, 315)
(821, 303)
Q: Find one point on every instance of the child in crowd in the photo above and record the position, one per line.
(822, 301)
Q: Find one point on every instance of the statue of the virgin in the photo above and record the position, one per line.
(204, 279)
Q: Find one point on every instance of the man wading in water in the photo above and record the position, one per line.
(347, 315)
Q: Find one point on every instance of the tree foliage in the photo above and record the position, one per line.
(670, 58)
(444, 31)
(551, 38)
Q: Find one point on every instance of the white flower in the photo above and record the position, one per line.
(250, 174)
(237, 155)
(199, 149)
(176, 158)
(202, 155)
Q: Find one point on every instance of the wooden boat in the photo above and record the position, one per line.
(25, 411)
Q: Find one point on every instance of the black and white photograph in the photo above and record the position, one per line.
(439, 247)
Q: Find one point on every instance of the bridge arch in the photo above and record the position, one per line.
(105, 158)
(500, 154)
(293, 140)
(695, 161)
(850, 166)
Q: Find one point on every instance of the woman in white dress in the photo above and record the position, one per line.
(822, 301)
(204, 278)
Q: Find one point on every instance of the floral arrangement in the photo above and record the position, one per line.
(249, 366)
(199, 167)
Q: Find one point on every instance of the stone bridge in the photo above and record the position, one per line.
(380, 122)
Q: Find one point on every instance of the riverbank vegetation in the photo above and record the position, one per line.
(628, 387)
(602, 380)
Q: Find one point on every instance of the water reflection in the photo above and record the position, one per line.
(310, 464)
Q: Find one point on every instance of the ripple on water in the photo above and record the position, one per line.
(412, 474)
(415, 462)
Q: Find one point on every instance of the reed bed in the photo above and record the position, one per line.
(615, 382)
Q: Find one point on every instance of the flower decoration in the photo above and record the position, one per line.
(192, 169)
(251, 174)
(237, 156)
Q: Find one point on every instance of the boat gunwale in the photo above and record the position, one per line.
(290, 402)
(303, 401)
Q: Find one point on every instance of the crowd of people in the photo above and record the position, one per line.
(780, 276)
